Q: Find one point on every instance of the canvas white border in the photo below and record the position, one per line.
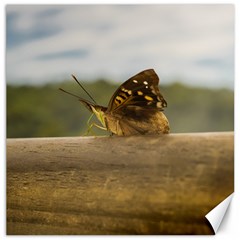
(229, 229)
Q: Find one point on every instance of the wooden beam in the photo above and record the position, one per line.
(117, 185)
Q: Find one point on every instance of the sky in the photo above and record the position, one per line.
(189, 43)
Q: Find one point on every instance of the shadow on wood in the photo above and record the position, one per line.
(117, 185)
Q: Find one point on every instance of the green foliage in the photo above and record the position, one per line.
(199, 109)
(46, 111)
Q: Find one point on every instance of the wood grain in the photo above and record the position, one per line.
(117, 185)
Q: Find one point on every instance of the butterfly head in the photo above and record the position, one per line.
(99, 111)
(92, 107)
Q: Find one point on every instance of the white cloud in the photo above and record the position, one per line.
(122, 40)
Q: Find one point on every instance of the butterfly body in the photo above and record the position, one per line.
(135, 108)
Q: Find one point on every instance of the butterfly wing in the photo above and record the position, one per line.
(140, 90)
(149, 121)
(132, 120)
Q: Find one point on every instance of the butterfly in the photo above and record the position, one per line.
(136, 107)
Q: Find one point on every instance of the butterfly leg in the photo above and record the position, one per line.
(91, 125)
(94, 125)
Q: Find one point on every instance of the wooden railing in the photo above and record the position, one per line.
(117, 185)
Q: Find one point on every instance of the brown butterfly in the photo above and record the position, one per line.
(135, 108)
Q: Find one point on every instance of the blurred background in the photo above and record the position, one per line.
(191, 48)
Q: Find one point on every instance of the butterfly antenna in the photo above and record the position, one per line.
(69, 93)
(83, 88)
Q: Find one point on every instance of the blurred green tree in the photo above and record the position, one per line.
(47, 112)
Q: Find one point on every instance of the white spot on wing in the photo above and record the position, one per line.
(135, 81)
(154, 92)
(159, 104)
(145, 82)
(124, 90)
